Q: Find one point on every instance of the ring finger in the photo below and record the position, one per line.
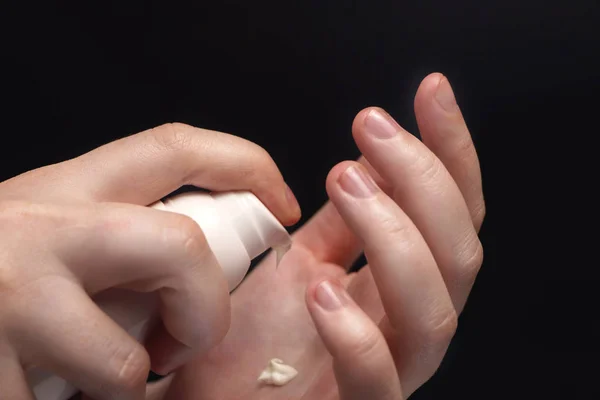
(412, 290)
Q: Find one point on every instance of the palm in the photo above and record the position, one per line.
(421, 236)
(270, 320)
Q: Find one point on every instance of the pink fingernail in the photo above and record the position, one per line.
(445, 96)
(357, 182)
(330, 296)
(379, 125)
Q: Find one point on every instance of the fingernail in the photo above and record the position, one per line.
(330, 296)
(445, 96)
(170, 363)
(154, 376)
(380, 125)
(166, 353)
(357, 182)
(291, 200)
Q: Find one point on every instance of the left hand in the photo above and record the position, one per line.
(382, 332)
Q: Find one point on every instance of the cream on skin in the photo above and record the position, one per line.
(277, 373)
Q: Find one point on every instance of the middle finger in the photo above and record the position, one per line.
(425, 190)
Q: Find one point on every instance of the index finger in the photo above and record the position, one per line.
(147, 166)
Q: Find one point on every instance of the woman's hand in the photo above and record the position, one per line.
(71, 230)
(415, 208)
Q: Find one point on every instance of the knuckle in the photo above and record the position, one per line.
(471, 258)
(365, 343)
(22, 216)
(14, 210)
(398, 230)
(190, 236)
(262, 165)
(175, 140)
(429, 344)
(478, 213)
(262, 156)
(436, 337)
(442, 328)
(173, 136)
(429, 168)
(465, 148)
(132, 370)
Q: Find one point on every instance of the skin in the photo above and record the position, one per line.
(415, 209)
(71, 230)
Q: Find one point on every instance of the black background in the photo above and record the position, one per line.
(290, 76)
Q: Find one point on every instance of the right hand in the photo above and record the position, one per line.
(71, 230)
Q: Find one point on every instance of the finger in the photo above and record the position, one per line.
(13, 383)
(427, 193)
(363, 364)
(445, 132)
(145, 167)
(327, 236)
(80, 343)
(147, 250)
(158, 390)
(154, 391)
(412, 290)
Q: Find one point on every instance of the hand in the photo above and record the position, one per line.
(71, 230)
(415, 209)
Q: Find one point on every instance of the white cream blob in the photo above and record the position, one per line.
(277, 373)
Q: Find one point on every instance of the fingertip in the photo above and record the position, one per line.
(326, 300)
(428, 87)
(359, 121)
(337, 170)
(294, 212)
(311, 289)
(360, 117)
(166, 353)
(363, 364)
(309, 295)
(292, 218)
(433, 79)
(331, 182)
(351, 181)
(435, 90)
(281, 202)
(311, 303)
(180, 335)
